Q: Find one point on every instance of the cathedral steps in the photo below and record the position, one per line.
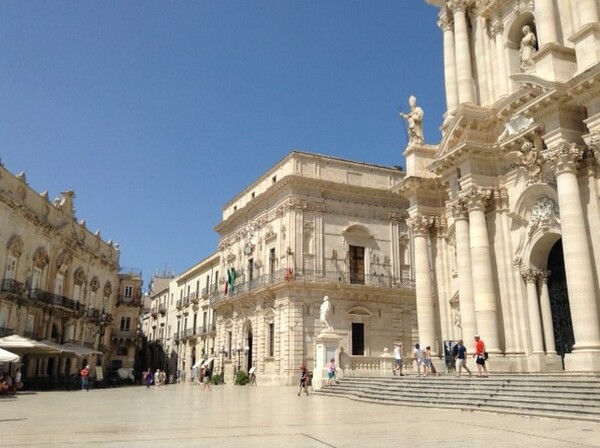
(556, 396)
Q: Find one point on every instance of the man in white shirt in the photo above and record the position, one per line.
(398, 359)
(419, 359)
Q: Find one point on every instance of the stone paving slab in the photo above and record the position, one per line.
(263, 416)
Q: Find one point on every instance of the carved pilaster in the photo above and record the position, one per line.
(496, 27)
(419, 224)
(565, 157)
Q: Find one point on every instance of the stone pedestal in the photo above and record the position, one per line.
(327, 345)
(583, 361)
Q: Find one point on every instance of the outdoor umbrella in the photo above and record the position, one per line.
(6, 356)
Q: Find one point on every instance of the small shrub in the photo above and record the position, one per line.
(242, 378)
(216, 379)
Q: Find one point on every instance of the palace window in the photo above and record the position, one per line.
(357, 264)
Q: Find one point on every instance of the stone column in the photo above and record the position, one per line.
(447, 25)
(545, 18)
(535, 323)
(587, 11)
(464, 71)
(546, 314)
(484, 295)
(420, 226)
(500, 71)
(564, 160)
(465, 274)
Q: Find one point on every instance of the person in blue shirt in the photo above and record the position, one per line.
(461, 358)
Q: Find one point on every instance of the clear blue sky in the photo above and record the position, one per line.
(156, 113)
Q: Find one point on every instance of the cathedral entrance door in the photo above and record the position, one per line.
(559, 302)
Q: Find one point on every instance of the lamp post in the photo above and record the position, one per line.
(223, 352)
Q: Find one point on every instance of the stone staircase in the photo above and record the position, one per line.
(556, 396)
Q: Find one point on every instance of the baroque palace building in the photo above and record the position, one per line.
(505, 210)
(313, 226)
(60, 285)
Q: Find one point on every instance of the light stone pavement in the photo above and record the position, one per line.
(262, 416)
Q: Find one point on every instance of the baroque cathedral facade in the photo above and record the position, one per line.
(505, 210)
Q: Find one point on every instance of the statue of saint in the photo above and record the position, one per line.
(325, 314)
(415, 122)
(527, 50)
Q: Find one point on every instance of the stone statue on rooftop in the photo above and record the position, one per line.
(414, 119)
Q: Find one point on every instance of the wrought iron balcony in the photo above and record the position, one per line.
(310, 277)
(12, 286)
(194, 297)
(162, 308)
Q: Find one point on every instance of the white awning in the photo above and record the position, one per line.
(203, 362)
(23, 345)
(81, 350)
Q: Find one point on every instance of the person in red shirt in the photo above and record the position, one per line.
(480, 357)
(85, 373)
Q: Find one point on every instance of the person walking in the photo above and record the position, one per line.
(461, 358)
(85, 383)
(419, 360)
(427, 365)
(303, 380)
(331, 369)
(206, 378)
(148, 378)
(398, 359)
(482, 371)
(252, 373)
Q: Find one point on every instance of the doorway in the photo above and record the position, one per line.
(559, 301)
(358, 338)
(249, 356)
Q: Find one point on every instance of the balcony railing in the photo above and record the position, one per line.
(194, 297)
(125, 334)
(162, 308)
(314, 277)
(10, 285)
(209, 328)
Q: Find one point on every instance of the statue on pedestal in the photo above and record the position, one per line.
(415, 122)
(325, 314)
(527, 50)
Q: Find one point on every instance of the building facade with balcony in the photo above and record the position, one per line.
(126, 314)
(59, 279)
(193, 319)
(313, 226)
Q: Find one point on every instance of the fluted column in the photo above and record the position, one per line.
(564, 160)
(535, 322)
(547, 324)
(545, 18)
(465, 274)
(464, 70)
(501, 76)
(484, 295)
(420, 226)
(447, 25)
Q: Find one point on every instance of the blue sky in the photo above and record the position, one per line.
(156, 113)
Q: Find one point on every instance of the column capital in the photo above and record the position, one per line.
(446, 22)
(476, 198)
(565, 157)
(543, 277)
(592, 140)
(530, 275)
(420, 224)
(496, 27)
(459, 209)
(459, 5)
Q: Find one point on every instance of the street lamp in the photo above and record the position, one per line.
(223, 353)
(239, 353)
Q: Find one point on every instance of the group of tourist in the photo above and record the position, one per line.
(424, 365)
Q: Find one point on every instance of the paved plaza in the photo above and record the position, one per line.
(263, 416)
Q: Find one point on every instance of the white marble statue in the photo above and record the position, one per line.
(325, 314)
(415, 122)
(527, 50)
